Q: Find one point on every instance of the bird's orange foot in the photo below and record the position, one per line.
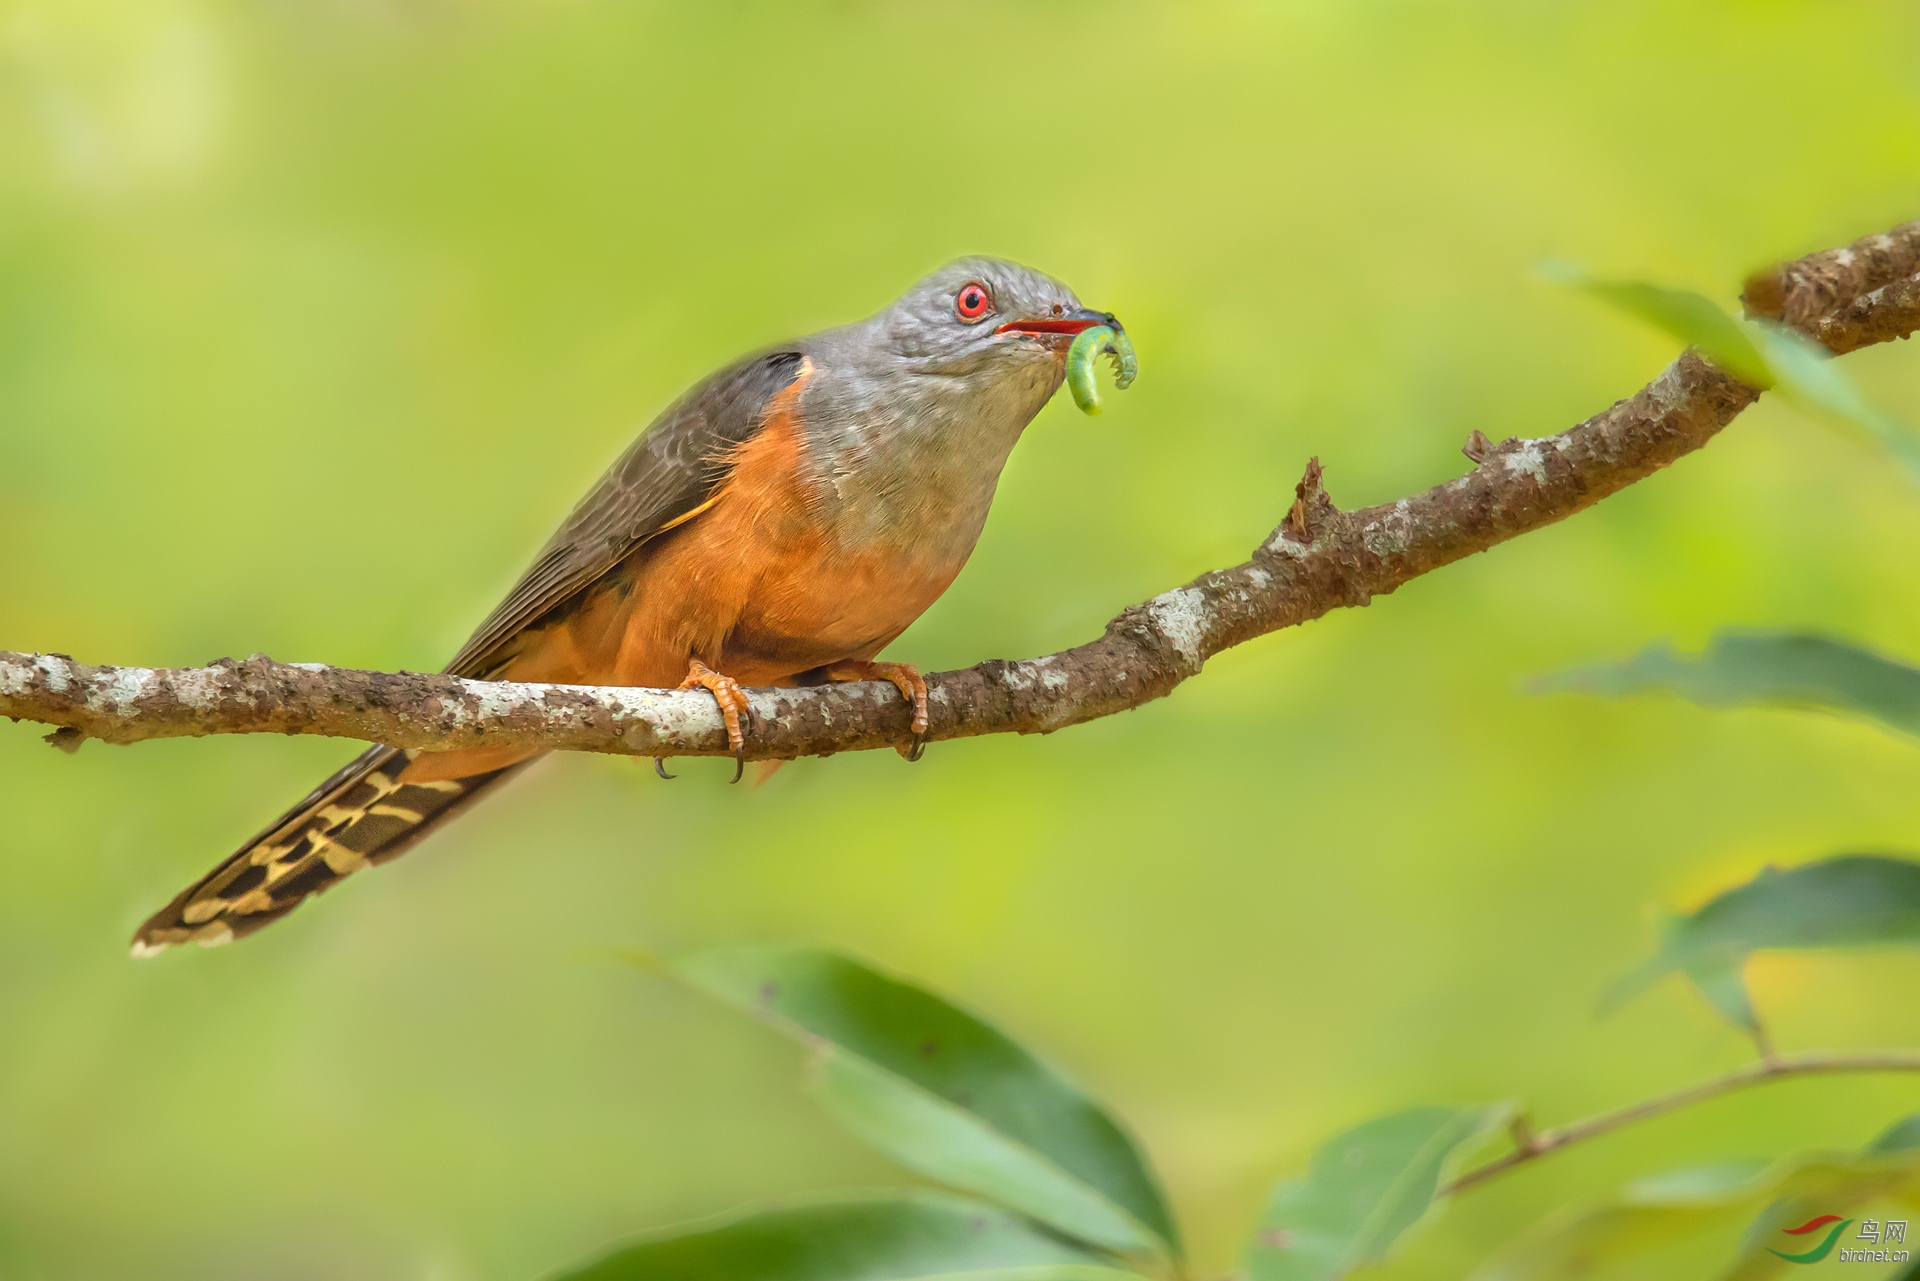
(733, 708)
(904, 677)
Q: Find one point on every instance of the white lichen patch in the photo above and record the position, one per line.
(1390, 534)
(1181, 616)
(1042, 672)
(118, 693)
(1051, 677)
(202, 687)
(1528, 460)
(1260, 578)
(59, 672)
(684, 714)
(1029, 672)
(15, 679)
(488, 700)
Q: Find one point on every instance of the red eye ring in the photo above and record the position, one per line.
(973, 303)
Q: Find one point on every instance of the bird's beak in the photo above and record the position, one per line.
(1067, 326)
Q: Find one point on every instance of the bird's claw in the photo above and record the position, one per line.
(660, 768)
(734, 708)
(904, 677)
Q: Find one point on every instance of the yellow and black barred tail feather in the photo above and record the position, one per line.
(364, 814)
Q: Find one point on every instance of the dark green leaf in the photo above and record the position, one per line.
(1853, 900)
(866, 1239)
(946, 1095)
(1765, 668)
(1365, 1190)
(1898, 1137)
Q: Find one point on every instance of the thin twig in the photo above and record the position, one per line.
(1319, 559)
(1543, 1142)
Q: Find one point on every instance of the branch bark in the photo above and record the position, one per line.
(1318, 559)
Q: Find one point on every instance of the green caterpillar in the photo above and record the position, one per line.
(1091, 342)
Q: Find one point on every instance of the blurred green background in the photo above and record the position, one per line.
(316, 316)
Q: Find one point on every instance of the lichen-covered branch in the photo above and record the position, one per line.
(1319, 559)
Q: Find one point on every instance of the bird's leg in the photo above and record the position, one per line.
(733, 707)
(904, 677)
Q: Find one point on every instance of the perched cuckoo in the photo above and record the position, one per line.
(780, 524)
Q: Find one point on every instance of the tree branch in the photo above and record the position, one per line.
(1318, 560)
(1531, 1145)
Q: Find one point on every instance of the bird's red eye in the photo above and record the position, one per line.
(972, 302)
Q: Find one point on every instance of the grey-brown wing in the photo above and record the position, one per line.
(671, 469)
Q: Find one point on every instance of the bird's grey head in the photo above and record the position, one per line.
(985, 315)
(911, 413)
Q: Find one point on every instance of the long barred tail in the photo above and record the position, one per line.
(361, 815)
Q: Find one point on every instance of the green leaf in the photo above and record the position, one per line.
(952, 1144)
(1367, 1188)
(1758, 668)
(1581, 1242)
(947, 1095)
(1716, 977)
(1852, 900)
(1804, 373)
(1758, 353)
(880, 1238)
(1695, 320)
(1898, 1137)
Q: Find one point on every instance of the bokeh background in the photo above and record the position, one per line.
(316, 315)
